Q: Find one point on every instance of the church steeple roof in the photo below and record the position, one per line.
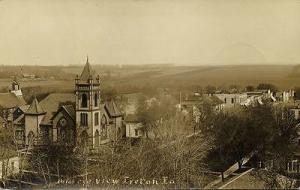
(87, 71)
(35, 108)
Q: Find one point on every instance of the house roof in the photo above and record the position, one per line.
(53, 102)
(215, 100)
(15, 81)
(35, 108)
(10, 100)
(24, 108)
(20, 119)
(69, 109)
(87, 72)
(112, 109)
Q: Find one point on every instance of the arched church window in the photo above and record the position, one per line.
(84, 119)
(84, 101)
(103, 128)
(30, 138)
(96, 100)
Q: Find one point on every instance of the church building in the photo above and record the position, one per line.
(72, 119)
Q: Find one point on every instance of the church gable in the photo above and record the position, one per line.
(53, 102)
(66, 111)
(64, 127)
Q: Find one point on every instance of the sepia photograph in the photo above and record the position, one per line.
(149, 94)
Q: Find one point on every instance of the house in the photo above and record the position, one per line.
(285, 96)
(28, 76)
(193, 104)
(15, 88)
(10, 101)
(231, 100)
(134, 128)
(265, 94)
(79, 119)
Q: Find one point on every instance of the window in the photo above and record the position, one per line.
(96, 100)
(96, 118)
(19, 135)
(232, 100)
(103, 128)
(12, 169)
(292, 166)
(84, 119)
(136, 132)
(225, 100)
(84, 101)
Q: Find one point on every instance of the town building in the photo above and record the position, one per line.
(10, 101)
(79, 119)
(134, 127)
(231, 100)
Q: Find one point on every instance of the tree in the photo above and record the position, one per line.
(250, 88)
(153, 112)
(210, 89)
(56, 161)
(267, 86)
(269, 131)
(297, 93)
(109, 93)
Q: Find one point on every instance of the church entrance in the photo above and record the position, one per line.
(66, 133)
(84, 137)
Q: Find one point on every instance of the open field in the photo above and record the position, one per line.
(130, 77)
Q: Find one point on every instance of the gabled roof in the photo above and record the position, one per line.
(215, 100)
(24, 108)
(10, 100)
(87, 72)
(53, 102)
(69, 109)
(15, 82)
(112, 109)
(35, 108)
(20, 119)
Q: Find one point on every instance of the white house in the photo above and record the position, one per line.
(134, 128)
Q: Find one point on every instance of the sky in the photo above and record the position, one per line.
(182, 32)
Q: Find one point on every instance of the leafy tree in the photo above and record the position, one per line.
(262, 128)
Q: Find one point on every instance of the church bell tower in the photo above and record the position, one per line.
(87, 93)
